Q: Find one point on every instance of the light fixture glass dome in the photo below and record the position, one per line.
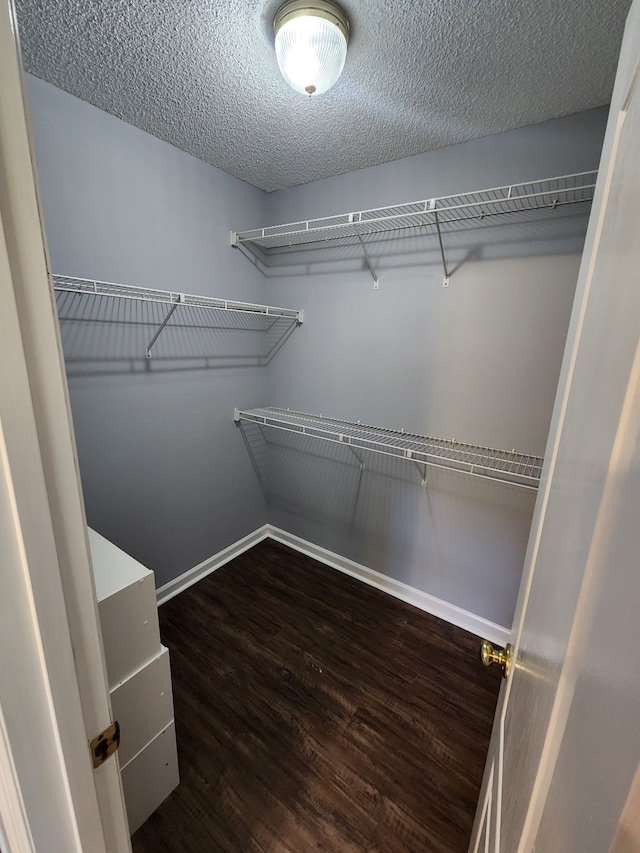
(311, 44)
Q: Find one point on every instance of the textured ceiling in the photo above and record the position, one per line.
(420, 74)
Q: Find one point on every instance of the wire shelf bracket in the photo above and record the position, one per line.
(374, 274)
(440, 213)
(344, 439)
(504, 466)
(147, 352)
(71, 284)
(447, 275)
(422, 470)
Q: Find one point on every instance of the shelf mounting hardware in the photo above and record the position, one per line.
(447, 274)
(345, 440)
(374, 275)
(180, 299)
(422, 469)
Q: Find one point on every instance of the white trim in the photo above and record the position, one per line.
(197, 573)
(15, 835)
(484, 827)
(422, 600)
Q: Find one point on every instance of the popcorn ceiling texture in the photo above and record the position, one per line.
(420, 74)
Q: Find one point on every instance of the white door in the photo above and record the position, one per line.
(53, 691)
(556, 779)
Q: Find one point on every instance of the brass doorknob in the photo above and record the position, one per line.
(502, 657)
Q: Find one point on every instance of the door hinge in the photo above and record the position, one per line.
(105, 744)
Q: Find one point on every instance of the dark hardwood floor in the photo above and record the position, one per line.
(314, 713)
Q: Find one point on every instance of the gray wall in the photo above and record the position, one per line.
(165, 474)
(557, 147)
(477, 361)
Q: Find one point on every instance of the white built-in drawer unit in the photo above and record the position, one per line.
(139, 678)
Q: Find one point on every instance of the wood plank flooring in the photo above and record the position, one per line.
(314, 713)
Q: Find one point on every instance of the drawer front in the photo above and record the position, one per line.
(150, 777)
(130, 632)
(143, 705)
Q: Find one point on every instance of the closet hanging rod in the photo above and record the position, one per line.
(505, 466)
(71, 284)
(547, 193)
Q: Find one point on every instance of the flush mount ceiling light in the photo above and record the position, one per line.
(311, 44)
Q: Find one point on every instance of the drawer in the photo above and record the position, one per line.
(150, 777)
(126, 595)
(143, 705)
(130, 632)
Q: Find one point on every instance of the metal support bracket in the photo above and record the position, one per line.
(422, 468)
(447, 274)
(163, 324)
(345, 439)
(274, 323)
(374, 275)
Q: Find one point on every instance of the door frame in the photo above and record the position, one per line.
(53, 688)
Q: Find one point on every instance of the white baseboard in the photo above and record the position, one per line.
(422, 600)
(179, 584)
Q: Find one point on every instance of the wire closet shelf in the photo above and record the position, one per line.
(548, 193)
(172, 299)
(169, 297)
(505, 466)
